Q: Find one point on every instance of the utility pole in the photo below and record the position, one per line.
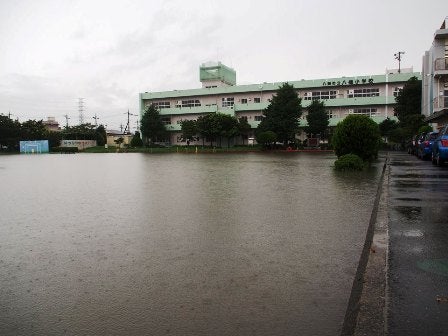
(81, 110)
(96, 118)
(398, 57)
(121, 128)
(66, 120)
(128, 128)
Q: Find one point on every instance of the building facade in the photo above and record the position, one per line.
(435, 78)
(371, 95)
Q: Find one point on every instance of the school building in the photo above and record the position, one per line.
(371, 95)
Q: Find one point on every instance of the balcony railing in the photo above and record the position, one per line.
(441, 64)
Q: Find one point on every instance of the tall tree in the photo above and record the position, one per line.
(317, 118)
(189, 130)
(9, 133)
(228, 126)
(207, 127)
(152, 126)
(243, 128)
(136, 141)
(283, 113)
(408, 107)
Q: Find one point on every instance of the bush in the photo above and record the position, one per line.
(357, 134)
(65, 149)
(349, 162)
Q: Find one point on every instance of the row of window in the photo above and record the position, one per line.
(314, 95)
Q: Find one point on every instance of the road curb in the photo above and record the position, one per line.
(365, 314)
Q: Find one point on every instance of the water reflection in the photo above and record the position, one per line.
(179, 244)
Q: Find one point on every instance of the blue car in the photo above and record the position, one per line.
(424, 150)
(440, 147)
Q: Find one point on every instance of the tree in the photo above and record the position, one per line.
(136, 140)
(243, 128)
(189, 130)
(10, 131)
(207, 127)
(267, 138)
(152, 126)
(282, 115)
(408, 107)
(33, 130)
(227, 126)
(317, 118)
(357, 134)
(101, 136)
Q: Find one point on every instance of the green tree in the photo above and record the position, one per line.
(243, 128)
(317, 118)
(189, 130)
(357, 134)
(408, 107)
(136, 140)
(152, 126)
(387, 126)
(10, 131)
(282, 115)
(33, 130)
(101, 136)
(207, 127)
(227, 126)
(266, 139)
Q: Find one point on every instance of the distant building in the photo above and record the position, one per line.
(435, 78)
(371, 95)
(113, 135)
(51, 124)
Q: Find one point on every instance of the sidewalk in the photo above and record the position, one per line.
(405, 284)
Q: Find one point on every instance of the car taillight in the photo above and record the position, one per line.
(444, 142)
(426, 143)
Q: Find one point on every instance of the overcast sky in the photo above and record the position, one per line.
(54, 51)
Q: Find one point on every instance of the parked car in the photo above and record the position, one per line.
(424, 150)
(440, 147)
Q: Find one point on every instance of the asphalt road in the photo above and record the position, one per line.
(418, 247)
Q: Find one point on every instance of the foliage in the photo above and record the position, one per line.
(387, 126)
(317, 118)
(65, 149)
(152, 126)
(227, 126)
(349, 162)
(119, 141)
(33, 130)
(9, 133)
(243, 128)
(282, 115)
(357, 134)
(424, 129)
(267, 138)
(408, 107)
(216, 125)
(101, 136)
(207, 128)
(189, 130)
(136, 141)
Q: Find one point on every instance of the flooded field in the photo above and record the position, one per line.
(133, 244)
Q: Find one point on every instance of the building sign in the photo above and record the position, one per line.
(355, 81)
(81, 144)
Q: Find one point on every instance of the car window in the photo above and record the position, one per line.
(433, 136)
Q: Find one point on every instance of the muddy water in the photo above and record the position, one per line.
(134, 244)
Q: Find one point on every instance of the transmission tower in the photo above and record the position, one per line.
(81, 110)
(66, 120)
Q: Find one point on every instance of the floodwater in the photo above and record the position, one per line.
(178, 244)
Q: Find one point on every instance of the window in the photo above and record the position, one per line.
(211, 86)
(243, 118)
(244, 101)
(257, 100)
(320, 95)
(258, 118)
(188, 103)
(166, 120)
(397, 90)
(364, 111)
(228, 101)
(367, 92)
(162, 105)
(330, 113)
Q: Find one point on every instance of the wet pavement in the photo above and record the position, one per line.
(418, 247)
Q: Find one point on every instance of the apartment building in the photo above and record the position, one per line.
(435, 78)
(371, 95)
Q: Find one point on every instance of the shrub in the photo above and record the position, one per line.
(349, 162)
(357, 134)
